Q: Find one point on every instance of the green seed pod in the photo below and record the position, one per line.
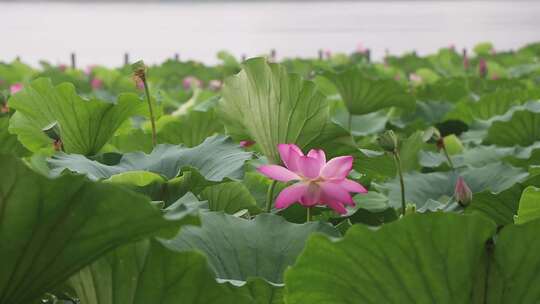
(388, 141)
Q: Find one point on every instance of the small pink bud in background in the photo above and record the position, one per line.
(96, 83)
(327, 54)
(16, 87)
(89, 69)
(494, 77)
(246, 143)
(360, 48)
(139, 83)
(462, 192)
(452, 47)
(415, 78)
(215, 85)
(482, 68)
(62, 67)
(191, 82)
(493, 51)
(397, 77)
(466, 63)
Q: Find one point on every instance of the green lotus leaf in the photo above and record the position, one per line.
(9, 143)
(519, 126)
(513, 275)
(420, 187)
(238, 249)
(148, 272)
(53, 228)
(429, 258)
(230, 198)
(266, 104)
(85, 125)
(215, 159)
(190, 129)
(529, 205)
(363, 95)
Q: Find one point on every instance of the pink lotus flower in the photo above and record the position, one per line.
(415, 78)
(215, 85)
(462, 192)
(89, 69)
(482, 68)
(319, 182)
(361, 49)
(16, 87)
(62, 67)
(246, 143)
(96, 83)
(191, 82)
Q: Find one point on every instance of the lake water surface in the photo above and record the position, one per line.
(101, 33)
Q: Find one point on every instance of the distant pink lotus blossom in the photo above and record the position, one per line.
(246, 143)
(215, 85)
(452, 47)
(361, 49)
(415, 78)
(16, 87)
(89, 69)
(62, 67)
(482, 67)
(466, 63)
(191, 82)
(328, 54)
(318, 182)
(140, 84)
(96, 83)
(462, 192)
(494, 77)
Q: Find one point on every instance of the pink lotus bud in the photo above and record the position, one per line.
(246, 143)
(215, 85)
(191, 82)
(494, 77)
(327, 54)
(482, 68)
(452, 47)
(96, 83)
(415, 78)
(62, 67)
(89, 69)
(16, 87)
(139, 83)
(466, 63)
(361, 49)
(462, 192)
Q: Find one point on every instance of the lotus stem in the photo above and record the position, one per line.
(152, 118)
(448, 157)
(399, 169)
(308, 214)
(270, 196)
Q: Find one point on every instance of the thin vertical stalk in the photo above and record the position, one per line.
(399, 169)
(308, 215)
(448, 157)
(270, 196)
(152, 118)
